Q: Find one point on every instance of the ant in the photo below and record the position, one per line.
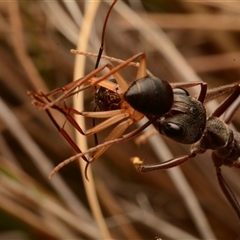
(187, 122)
(216, 136)
(115, 100)
(182, 117)
(134, 102)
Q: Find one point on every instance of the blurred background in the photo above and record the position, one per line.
(183, 41)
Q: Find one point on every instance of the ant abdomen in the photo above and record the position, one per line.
(150, 96)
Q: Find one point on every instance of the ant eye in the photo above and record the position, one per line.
(180, 91)
(172, 130)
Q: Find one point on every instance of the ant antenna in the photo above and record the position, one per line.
(100, 55)
(103, 34)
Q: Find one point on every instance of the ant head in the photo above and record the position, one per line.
(106, 99)
(150, 96)
(186, 120)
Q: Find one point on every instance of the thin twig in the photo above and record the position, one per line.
(78, 101)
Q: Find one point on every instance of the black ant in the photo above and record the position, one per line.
(213, 133)
(168, 107)
(136, 101)
(186, 122)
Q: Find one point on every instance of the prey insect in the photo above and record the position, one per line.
(38, 98)
(134, 102)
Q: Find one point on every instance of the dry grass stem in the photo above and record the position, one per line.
(184, 42)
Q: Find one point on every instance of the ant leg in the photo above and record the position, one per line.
(231, 111)
(216, 92)
(143, 168)
(226, 104)
(123, 138)
(203, 86)
(227, 191)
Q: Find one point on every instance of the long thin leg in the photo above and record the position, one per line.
(110, 59)
(227, 191)
(115, 69)
(115, 134)
(66, 136)
(203, 86)
(80, 82)
(124, 138)
(143, 168)
(106, 124)
(68, 89)
(226, 103)
(216, 92)
(228, 115)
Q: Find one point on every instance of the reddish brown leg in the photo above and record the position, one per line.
(143, 168)
(61, 129)
(203, 86)
(216, 92)
(124, 138)
(66, 135)
(226, 104)
(217, 162)
(69, 89)
(227, 191)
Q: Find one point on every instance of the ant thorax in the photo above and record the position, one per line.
(222, 140)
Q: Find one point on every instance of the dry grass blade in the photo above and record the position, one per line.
(20, 193)
(78, 104)
(39, 158)
(35, 41)
(20, 48)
